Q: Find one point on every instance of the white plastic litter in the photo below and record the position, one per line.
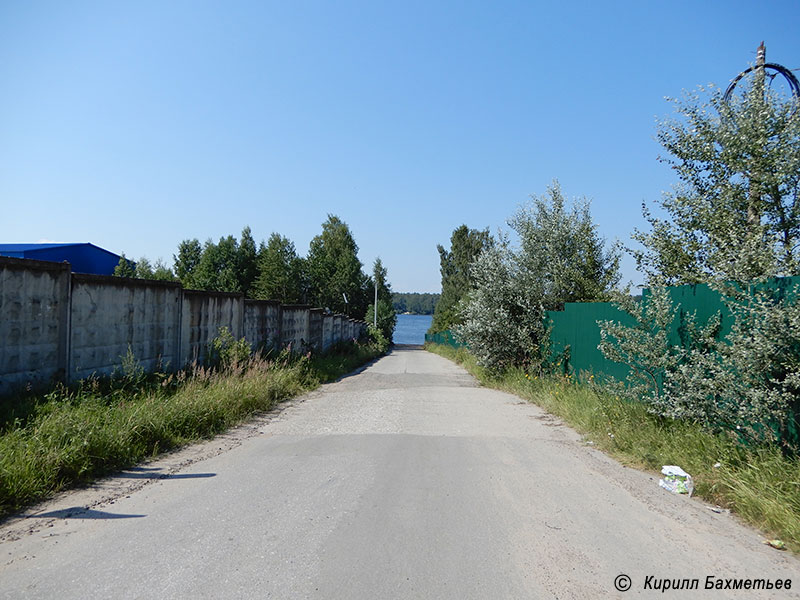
(676, 480)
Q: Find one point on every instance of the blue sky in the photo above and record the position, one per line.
(136, 125)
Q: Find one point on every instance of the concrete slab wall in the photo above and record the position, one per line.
(262, 324)
(34, 314)
(315, 328)
(61, 326)
(359, 329)
(294, 328)
(204, 313)
(337, 329)
(347, 330)
(112, 314)
(327, 331)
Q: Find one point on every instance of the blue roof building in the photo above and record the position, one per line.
(83, 258)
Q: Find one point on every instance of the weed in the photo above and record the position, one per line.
(73, 435)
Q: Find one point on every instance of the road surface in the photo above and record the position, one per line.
(407, 480)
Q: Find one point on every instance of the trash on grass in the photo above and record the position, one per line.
(777, 544)
(719, 510)
(676, 480)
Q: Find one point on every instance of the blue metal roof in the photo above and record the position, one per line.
(82, 257)
(26, 247)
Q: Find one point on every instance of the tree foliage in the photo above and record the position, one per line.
(334, 270)
(386, 318)
(186, 260)
(465, 246)
(158, 271)
(734, 220)
(414, 302)
(274, 271)
(281, 272)
(562, 252)
(227, 266)
(246, 262)
(747, 382)
(143, 269)
(217, 270)
(560, 258)
(502, 319)
(735, 214)
(125, 267)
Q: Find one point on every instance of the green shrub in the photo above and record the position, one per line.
(378, 339)
(225, 351)
(747, 383)
(73, 435)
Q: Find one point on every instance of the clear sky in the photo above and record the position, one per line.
(134, 125)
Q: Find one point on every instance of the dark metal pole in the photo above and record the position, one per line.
(754, 199)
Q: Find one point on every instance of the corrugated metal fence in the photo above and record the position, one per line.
(575, 334)
(444, 337)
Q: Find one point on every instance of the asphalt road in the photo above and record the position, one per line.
(404, 481)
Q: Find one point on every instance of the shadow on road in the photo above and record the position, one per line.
(153, 473)
(79, 512)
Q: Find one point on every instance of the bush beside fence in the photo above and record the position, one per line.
(575, 335)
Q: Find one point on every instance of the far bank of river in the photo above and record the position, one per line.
(410, 329)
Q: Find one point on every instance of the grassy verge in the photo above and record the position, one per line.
(761, 485)
(72, 436)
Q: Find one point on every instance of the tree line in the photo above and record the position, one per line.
(414, 302)
(330, 276)
(732, 222)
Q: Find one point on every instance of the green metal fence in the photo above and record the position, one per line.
(444, 337)
(575, 335)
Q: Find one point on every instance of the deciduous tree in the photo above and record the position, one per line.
(387, 319)
(186, 260)
(733, 219)
(735, 215)
(560, 258)
(280, 272)
(334, 270)
(454, 264)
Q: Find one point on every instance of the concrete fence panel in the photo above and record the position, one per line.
(262, 324)
(315, 328)
(56, 325)
(361, 330)
(111, 315)
(34, 315)
(337, 328)
(327, 331)
(204, 313)
(294, 328)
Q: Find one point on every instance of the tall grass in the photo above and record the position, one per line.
(72, 436)
(761, 485)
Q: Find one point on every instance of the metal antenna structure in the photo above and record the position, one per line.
(762, 69)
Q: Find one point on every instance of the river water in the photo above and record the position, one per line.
(410, 329)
